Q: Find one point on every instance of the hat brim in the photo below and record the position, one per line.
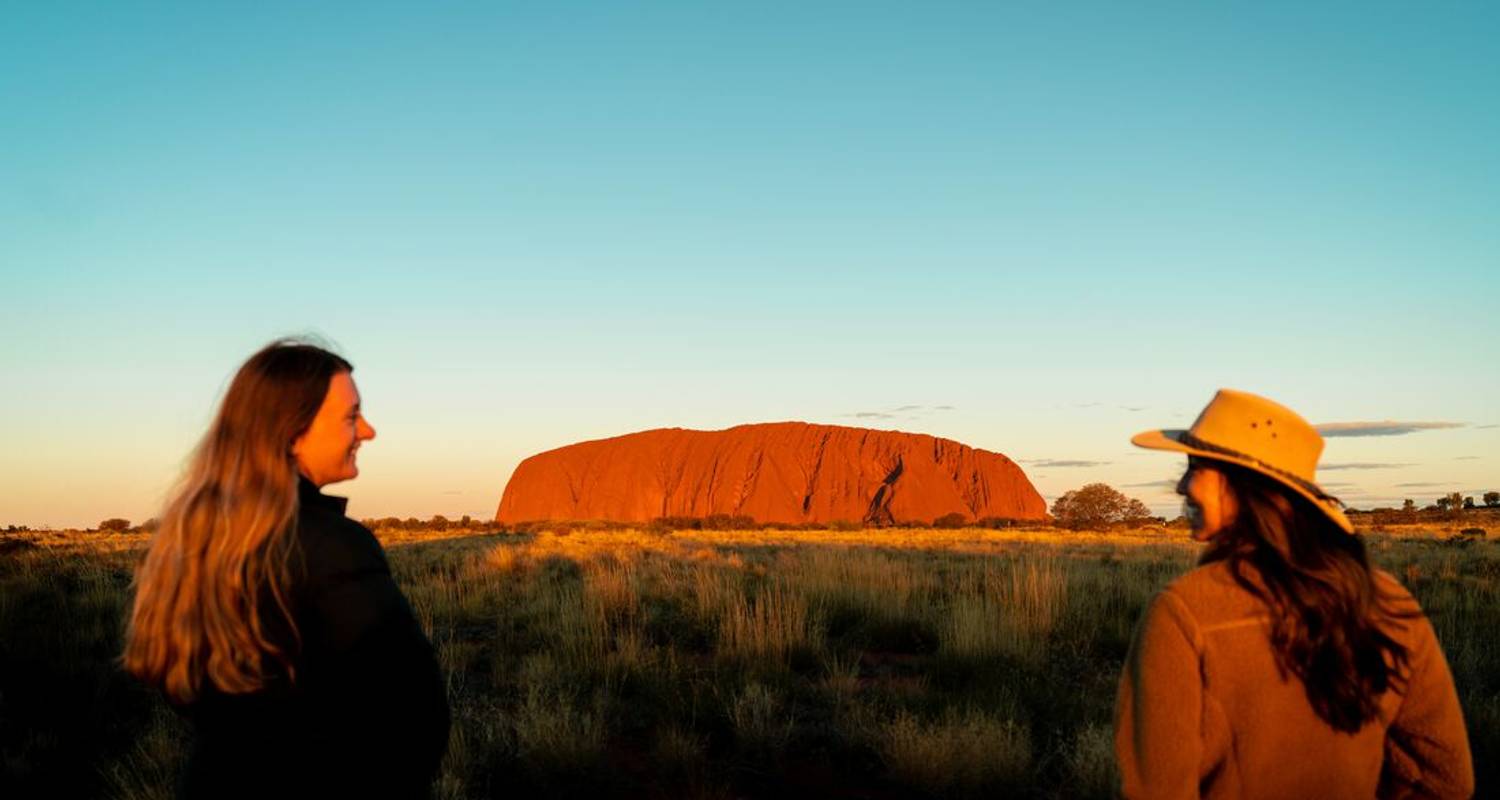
(1171, 440)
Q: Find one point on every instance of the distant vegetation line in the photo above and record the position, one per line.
(1095, 506)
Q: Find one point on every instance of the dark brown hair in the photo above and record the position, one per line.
(1330, 619)
(221, 557)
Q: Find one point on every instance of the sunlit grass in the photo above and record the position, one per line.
(714, 664)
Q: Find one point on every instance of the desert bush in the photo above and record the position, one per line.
(8, 546)
(712, 522)
(729, 522)
(995, 523)
(1097, 505)
(762, 724)
(964, 753)
(954, 520)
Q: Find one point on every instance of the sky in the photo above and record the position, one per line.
(1033, 228)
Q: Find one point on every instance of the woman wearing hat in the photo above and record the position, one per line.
(1284, 666)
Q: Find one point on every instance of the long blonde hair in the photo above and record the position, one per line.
(211, 594)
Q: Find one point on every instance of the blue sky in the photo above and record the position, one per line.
(530, 225)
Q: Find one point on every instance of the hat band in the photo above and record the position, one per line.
(1192, 441)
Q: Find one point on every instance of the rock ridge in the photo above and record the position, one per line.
(774, 472)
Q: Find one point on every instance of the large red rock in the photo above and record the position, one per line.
(780, 472)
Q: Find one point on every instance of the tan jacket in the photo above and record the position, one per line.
(1203, 711)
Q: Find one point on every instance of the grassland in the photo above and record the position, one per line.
(899, 663)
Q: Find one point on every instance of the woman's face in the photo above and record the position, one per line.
(325, 451)
(1208, 501)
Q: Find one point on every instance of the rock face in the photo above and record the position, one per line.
(780, 472)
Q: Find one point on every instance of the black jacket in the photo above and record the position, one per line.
(367, 714)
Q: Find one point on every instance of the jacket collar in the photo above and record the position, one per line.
(309, 496)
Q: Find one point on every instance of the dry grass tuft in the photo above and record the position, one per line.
(961, 754)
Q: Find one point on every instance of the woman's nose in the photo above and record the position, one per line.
(366, 431)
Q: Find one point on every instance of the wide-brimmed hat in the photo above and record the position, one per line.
(1252, 432)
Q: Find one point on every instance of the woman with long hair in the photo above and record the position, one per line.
(269, 618)
(1284, 666)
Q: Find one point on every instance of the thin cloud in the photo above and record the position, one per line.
(1360, 465)
(1466, 458)
(902, 412)
(1164, 484)
(1133, 408)
(1062, 462)
(1485, 427)
(1421, 484)
(1387, 427)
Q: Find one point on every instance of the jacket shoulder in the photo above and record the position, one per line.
(333, 543)
(1393, 589)
(1208, 580)
(1212, 595)
(1407, 621)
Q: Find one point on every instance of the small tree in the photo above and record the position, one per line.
(1492, 499)
(954, 520)
(1455, 501)
(1408, 505)
(115, 525)
(1469, 502)
(1097, 505)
